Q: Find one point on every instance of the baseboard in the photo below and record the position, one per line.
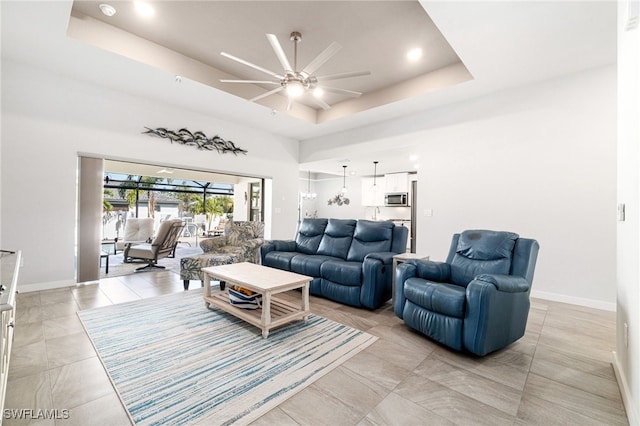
(590, 303)
(50, 285)
(627, 400)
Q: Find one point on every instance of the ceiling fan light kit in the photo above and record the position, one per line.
(297, 83)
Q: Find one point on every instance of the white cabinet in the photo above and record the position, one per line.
(371, 197)
(9, 264)
(396, 182)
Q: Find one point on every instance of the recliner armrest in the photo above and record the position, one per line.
(431, 270)
(506, 283)
(403, 272)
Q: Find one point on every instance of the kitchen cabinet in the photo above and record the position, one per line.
(396, 182)
(9, 265)
(371, 197)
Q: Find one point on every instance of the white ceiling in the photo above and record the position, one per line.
(503, 44)
(202, 30)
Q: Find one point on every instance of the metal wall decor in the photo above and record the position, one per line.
(197, 139)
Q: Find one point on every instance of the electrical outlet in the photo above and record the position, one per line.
(626, 335)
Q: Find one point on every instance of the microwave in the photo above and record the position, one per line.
(396, 199)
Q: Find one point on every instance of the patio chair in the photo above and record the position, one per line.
(162, 246)
(136, 231)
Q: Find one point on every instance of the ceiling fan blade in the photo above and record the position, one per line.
(338, 76)
(325, 106)
(254, 66)
(322, 58)
(269, 93)
(341, 91)
(250, 81)
(277, 48)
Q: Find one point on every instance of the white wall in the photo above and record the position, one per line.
(626, 357)
(538, 160)
(49, 119)
(542, 164)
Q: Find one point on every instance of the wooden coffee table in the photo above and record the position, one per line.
(264, 280)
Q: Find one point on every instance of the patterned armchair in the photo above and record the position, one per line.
(240, 243)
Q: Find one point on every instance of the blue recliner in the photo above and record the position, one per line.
(476, 301)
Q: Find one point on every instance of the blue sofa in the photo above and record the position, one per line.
(350, 260)
(476, 301)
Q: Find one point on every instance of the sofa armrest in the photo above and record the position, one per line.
(276, 245)
(506, 283)
(210, 244)
(430, 270)
(253, 243)
(283, 245)
(249, 249)
(385, 257)
(376, 279)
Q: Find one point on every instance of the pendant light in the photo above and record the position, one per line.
(344, 179)
(341, 199)
(309, 195)
(375, 172)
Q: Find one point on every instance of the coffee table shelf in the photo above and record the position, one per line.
(282, 312)
(266, 281)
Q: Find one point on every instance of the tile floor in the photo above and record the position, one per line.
(558, 373)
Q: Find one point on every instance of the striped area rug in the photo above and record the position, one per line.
(173, 361)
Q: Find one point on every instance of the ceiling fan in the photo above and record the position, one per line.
(294, 82)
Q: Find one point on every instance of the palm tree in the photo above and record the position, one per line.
(223, 203)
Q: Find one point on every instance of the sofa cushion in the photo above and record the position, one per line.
(309, 235)
(308, 264)
(445, 299)
(370, 237)
(348, 295)
(337, 238)
(279, 259)
(342, 272)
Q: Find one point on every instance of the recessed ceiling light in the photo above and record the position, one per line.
(414, 54)
(178, 79)
(144, 9)
(413, 157)
(107, 9)
(318, 92)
